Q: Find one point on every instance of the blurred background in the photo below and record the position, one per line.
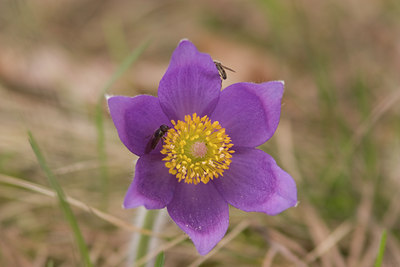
(339, 135)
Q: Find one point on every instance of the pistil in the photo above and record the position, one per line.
(197, 150)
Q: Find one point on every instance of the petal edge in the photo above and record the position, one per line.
(254, 182)
(191, 83)
(250, 112)
(153, 187)
(136, 119)
(201, 212)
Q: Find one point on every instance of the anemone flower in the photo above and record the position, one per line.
(197, 147)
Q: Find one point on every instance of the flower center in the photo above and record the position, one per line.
(197, 150)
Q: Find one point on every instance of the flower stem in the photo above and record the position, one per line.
(144, 240)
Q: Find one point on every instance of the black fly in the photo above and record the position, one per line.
(155, 138)
(221, 69)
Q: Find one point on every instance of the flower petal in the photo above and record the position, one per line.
(152, 187)
(136, 120)
(191, 84)
(249, 112)
(255, 183)
(201, 212)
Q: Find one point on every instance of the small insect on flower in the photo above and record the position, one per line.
(221, 69)
(158, 134)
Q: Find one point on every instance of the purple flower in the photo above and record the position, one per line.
(207, 157)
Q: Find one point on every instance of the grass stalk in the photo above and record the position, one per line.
(160, 260)
(65, 207)
(144, 240)
(101, 145)
(381, 251)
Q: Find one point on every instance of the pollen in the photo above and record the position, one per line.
(197, 149)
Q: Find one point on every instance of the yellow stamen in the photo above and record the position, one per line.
(197, 150)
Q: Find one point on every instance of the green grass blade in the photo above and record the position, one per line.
(132, 57)
(50, 263)
(63, 203)
(160, 260)
(101, 146)
(382, 245)
(144, 241)
(115, 38)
